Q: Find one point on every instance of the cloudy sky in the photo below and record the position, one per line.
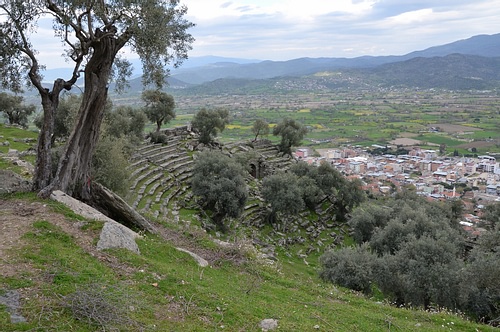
(288, 29)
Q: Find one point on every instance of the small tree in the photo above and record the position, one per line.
(14, 109)
(282, 192)
(349, 267)
(209, 122)
(260, 128)
(220, 184)
(159, 107)
(291, 132)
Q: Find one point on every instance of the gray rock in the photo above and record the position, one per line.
(201, 261)
(268, 324)
(14, 319)
(11, 182)
(11, 300)
(115, 235)
(13, 153)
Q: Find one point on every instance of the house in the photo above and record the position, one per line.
(301, 153)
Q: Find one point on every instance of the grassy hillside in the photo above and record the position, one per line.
(49, 259)
(55, 265)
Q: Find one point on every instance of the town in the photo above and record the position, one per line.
(473, 180)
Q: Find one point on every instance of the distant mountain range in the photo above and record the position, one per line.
(482, 45)
(472, 63)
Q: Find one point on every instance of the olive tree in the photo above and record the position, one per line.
(260, 128)
(159, 107)
(423, 272)
(208, 123)
(480, 279)
(492, 215)
(93, 33)
(291, 132)
(366, 219)
(219, 183)
(16, 112)
(282, 192)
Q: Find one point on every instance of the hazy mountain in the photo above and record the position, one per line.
(454, 72)
(483, 45)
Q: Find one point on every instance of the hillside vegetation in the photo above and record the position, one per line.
(50, 264)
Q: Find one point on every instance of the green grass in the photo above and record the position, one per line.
(168, 283)
(16, 138)
(172, 293)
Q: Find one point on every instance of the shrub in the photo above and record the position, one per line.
(158, 138)
(348, 267)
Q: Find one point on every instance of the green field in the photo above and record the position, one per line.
(368, 118)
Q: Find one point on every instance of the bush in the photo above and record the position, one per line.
(348, 267)
(219, 183)
(158, 138)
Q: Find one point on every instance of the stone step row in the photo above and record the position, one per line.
(152, 149)
(144, 172)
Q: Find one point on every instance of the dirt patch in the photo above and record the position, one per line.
(406, 141)
(407, 135)
(477, 144)
(16, 219)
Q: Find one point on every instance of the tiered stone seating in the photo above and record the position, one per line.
(161, 173)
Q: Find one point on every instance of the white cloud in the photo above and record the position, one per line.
(416, 16)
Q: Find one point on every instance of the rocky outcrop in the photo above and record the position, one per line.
(113, 234)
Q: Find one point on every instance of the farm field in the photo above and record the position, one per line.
(462, 121)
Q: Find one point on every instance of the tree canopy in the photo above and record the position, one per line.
(219, 182)
(16, 112)
(412, 251)
(159, 107)
(291, 132)
(208, 123)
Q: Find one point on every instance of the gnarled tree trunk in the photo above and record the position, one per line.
(50, 101)
(74, 171)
